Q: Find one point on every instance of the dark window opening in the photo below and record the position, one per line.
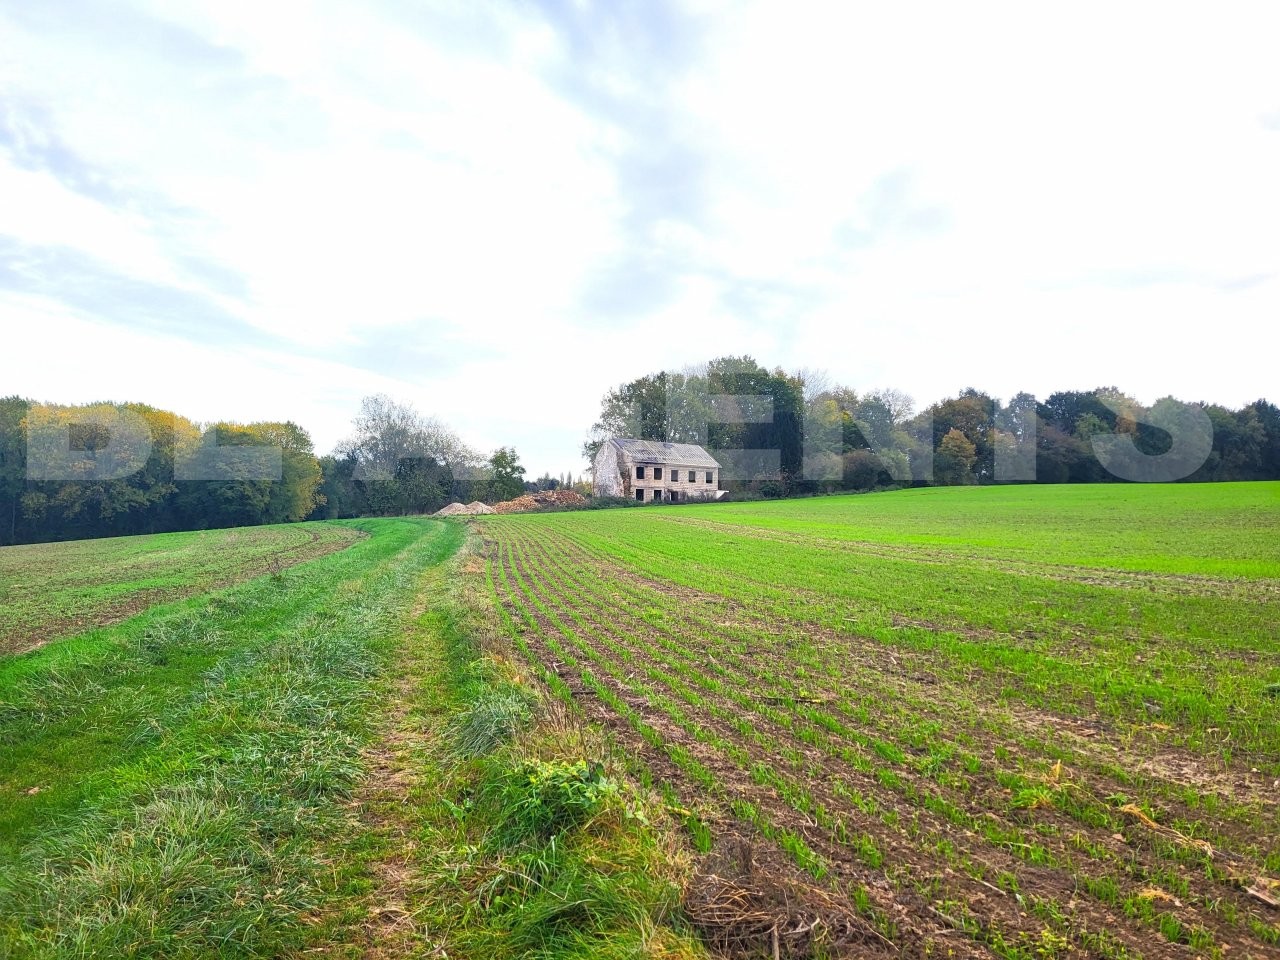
(639, 473)
(657, 473)
(657, 494)
(639, 494)
(710, 477)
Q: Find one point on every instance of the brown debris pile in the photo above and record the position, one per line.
(746, 909)
(543, 498)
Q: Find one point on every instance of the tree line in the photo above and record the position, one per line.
(153, 496)
(182, 475)
(780, 433)
(768, 427)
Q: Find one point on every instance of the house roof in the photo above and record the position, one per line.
(655, 451)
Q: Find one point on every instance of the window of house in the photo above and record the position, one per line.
(711, 477)
(657, 473)
(693, 477)
(657, 494)
(675, 476)
(639, 494)
(639, 473)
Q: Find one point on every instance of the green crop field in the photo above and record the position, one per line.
(1018, 722)
(1028, 721)
(52, 589)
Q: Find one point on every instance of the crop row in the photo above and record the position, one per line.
(877, 777)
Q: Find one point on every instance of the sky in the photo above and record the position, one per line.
(498, 211)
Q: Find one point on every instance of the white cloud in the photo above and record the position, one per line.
(929, 197)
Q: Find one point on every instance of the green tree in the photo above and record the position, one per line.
(864, 470)
(728, 404)
(13, 466)
(232, 491)
(91, 499)
(1065, 408)
(954, 460)
(388, 435)
(424, 485)
(339, 496)
(506, 476)
(1238, 441)
(972, 414)
(1268, 415)
(297, 493)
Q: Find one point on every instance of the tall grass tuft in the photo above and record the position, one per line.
(491, 720)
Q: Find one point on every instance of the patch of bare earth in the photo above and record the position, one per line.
(390, 928)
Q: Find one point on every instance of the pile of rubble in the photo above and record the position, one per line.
(521, 504)
(543, 498)
(464, 509)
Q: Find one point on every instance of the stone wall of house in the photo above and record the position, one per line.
(613, 474)
(606, 480)
(683, 489)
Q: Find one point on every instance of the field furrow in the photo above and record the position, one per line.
(931, 777)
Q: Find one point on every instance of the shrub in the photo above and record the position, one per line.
(543, 798)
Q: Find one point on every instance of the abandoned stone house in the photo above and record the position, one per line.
(649, 470)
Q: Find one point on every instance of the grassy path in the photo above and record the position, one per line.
(502, 825)
(181, 784)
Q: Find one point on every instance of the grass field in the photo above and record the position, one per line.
(171, 786)
(1026, 722)
(304, 762)
(53, 589)
(1022, 721)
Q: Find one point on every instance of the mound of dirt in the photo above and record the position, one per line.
(543, 498)
(452, 510)
(463, 509)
